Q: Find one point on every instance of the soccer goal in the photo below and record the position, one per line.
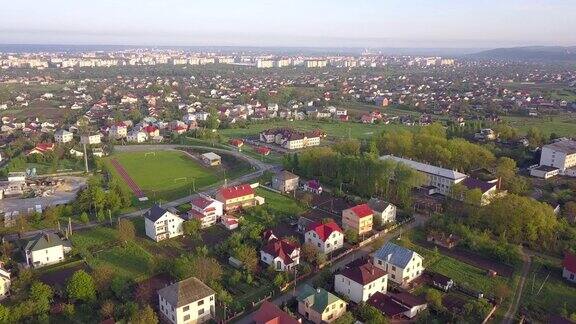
(149, 153)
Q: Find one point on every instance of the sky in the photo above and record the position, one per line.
(306, 23)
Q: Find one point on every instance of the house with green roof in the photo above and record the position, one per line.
(319, 306)
(44, 249)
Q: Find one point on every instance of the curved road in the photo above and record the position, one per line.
(260, 168)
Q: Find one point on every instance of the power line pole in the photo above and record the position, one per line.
(85, 158)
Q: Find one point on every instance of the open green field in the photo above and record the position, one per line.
(546, 292)
(333, 129)
(95, 237)
(561, 125)
(280, 203)
(129, 262)
(165, 174)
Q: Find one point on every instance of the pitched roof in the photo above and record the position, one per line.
(185, 292)
(324, 230)
(236, 191)
(363, 274)
(566, 146)
(386, 304)
(201, 202)
(378, 205)
(285, 175)
(268, 313)
(280, 248)
(362, 210)
(427, 168)
(317, 299)
(155, 213)
(44, 241)
(569, 262)
(472, 183)
(399, 256)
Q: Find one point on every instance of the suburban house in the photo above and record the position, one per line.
(237, 143)
(269, 313)
(440, 179)
(313, 186)
(279, 253)
(118, 131)
(489, 189)
(360, 280)
(398, 306)
(211, 159)
(136, 136)
(206, 209)
(63, 136)
(569, 267)
(91, 139)
(237, 197)
(358, 219)
(285, 181)
(187, 301)
(384, 211)
(45, 249)
(402, 264)
(557, 158)
(5, 282)
(161, 224)
(42, 148)
(326, 237)
(319, 306)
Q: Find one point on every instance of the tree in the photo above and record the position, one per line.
(102, 277)
(84, 218)
(309, 252)
(107, 309)
(41, 295)
(506, 170)
(126, 231)
(351, 236)
(192, 227)
(81, 287)
(348, 147)
(570, 211)
(370, 315)
(212, 121)
(145, 316)
(248, 256)
(346, 318)
(476, 309)
(502, 291)
(4, 314)
(434, 298)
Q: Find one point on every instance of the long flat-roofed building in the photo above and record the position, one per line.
(557, 158)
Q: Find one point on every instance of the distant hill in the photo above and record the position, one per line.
(530, 53)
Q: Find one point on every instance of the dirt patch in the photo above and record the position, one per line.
(59, 277)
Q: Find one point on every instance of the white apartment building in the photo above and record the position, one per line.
(136, 136)
(403, 265)
(360, 282)
(118, 131)
(187, 301)
(439, 178)
(560, 156)
(91, 139)
(207, 210)
(161, 224)
(63, 136)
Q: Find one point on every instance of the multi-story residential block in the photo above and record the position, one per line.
(441, 179)
(237, 197)
(45, 249)
(319, 306)
(91, 139)
(161, 224)
(187, 301)
(63, 136)
(285, 181)
(360, 281)
(206, 209)
(557, 158)
(326, 237)
(403, 265)
(358, 218)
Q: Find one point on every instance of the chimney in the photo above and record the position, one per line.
(318, 290)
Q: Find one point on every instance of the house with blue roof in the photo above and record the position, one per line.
(403, 265)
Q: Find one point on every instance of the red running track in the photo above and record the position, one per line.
(135, 188)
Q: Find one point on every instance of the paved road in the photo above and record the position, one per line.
(364, 251)
(510, 315)
(259, 166)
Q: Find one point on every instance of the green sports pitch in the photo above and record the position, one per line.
(163, 175)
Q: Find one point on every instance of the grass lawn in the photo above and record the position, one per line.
(542, 296)
(164, 175)
(130, 261)
(333, 129)
(561, 125)
(93, 237)
(280, 203)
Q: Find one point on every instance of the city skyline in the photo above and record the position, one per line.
(366, 23)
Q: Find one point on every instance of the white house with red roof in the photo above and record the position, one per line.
(326, 237)
(152, 131)
(42, 148)
(569, 267)
(358, 218)
(206, 209)
(360, 281)
(279, 253)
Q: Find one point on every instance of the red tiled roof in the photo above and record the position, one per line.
(269, 313)
(363, 274)
(236, 191)
(262, 150)
(236, 142)
(201, 202)
(150, 129)
(43, 147)
(324, 230)
(280, 248)
(569, 262)
(362, 210)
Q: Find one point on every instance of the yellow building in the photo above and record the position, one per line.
(358, 218)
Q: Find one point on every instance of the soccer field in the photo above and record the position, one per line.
(163, 174)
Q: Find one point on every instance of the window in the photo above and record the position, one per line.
(186, 308)
(186, 317)
(211, 298)
(393, 277)
(393, 268)
(201, 311)
(201, 302)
